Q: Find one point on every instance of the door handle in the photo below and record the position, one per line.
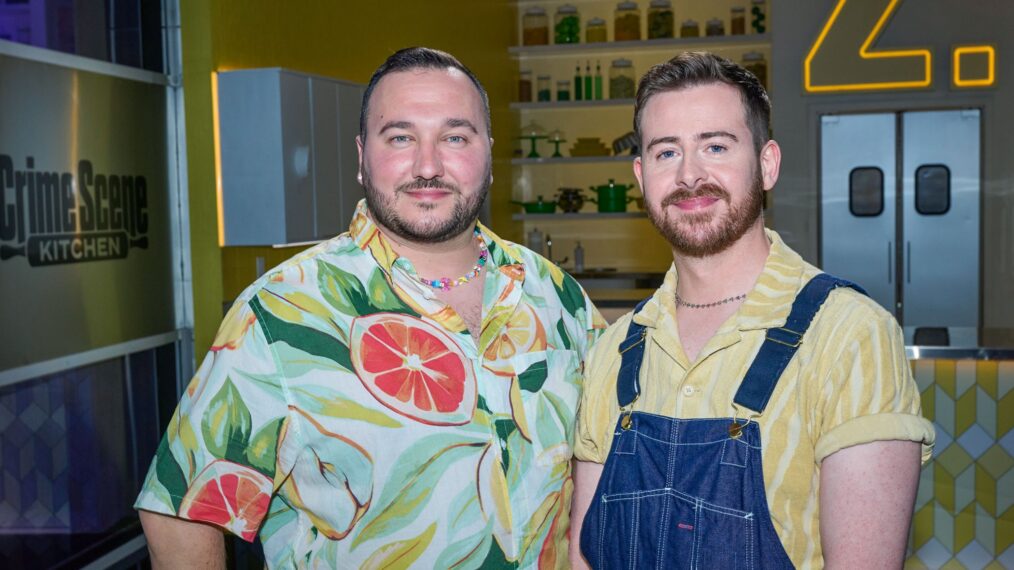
(890, 266)
(908, 262)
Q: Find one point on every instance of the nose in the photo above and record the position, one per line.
(428, 164)
(690, 173)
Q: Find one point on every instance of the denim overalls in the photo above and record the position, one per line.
(689, 493)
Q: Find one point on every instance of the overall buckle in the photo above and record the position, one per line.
(784, 336)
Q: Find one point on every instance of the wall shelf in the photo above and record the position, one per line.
(573, 160)
(557, 105)
(570, 50)
(578, 217)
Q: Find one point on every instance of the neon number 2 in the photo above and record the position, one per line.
(842, 59)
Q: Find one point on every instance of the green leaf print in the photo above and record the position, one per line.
(564, 336)
(408, 490)
(496, 559)
(261, 452)
(311, 341)
(226, 424)
(570, 295)
(322, 400)
(342, 289)
(534, 377)
(468, 552)
(400, 554)
(383, 299)
(170, 475)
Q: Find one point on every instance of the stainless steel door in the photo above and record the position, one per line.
(940, 196)
(858, 201)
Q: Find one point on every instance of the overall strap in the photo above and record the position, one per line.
(628, 381)
(781, 343)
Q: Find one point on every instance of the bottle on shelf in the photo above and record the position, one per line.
(627, 22)
(588, 79)
(563, 90)
(660, 19)
(621, 79)
(567, 25)
(690, 29)
(578, 258)
(535, 241)
(598, 81)
(595, 31)
(535, 27)
(714, 27)
(753, 61)
(578, 93)
(544, 88)
(525, 86)
(737, 21)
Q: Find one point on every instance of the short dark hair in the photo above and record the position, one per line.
(411, 58)
(692, 69)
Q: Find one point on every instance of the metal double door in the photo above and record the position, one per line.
(900, 215)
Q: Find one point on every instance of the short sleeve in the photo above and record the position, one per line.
(597, 409)
(870, 394)
(216, 462)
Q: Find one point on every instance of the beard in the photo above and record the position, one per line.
(694, 234)
(382, 207)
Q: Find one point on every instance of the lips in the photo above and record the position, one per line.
(428, 194)
(698, 203)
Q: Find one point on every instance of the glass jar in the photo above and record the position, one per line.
(595, 31)
(660, 19)
(567, 25)
(690, 29)
(622, 83)
(563, 90)
(754, 62)
(525, 86)
(627, 22)
(758, 17)
(544, 90)
(535, 27)
(737, 21)
(714, 27)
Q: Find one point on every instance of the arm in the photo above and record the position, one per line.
(586, 480)
(867, 494)
(179, 543)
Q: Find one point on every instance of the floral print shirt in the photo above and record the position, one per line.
(347, 417)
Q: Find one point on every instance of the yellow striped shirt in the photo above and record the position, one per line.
(849, 383)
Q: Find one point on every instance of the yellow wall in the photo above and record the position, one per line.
(345, 40)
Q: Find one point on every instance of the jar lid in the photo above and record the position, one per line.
(758, 1)
(596, 22)
(738, 9)
(546, 77)
(627, 6)
(753, 56)
(661, 4)
(567, 9)
(622, 63)
(689, 23)
(715, 22)
(535, 11)
(564, 82)
(526, 72)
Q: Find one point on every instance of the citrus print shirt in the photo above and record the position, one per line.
(346, 416)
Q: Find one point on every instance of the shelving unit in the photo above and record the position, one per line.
(572, 160)
(667, 44)
(577, 217)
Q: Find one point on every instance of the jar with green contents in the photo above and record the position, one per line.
(754, 62)
(535, 27)
(595, 31)
(622, 83)
(563, 90)
(567, 25)
(661, 23)
(544, 91)
(690, 29)
(627, 22)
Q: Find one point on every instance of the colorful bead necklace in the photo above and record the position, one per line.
(445, 283)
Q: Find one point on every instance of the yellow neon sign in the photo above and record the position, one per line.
(990, 79)
(866, 56)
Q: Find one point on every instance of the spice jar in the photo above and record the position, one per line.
(627, 22)
(754, 63)
(660, 19)
(525, 86)
(714, 27)
(737, 21)
(567, 25)
(544, 91)
(690, 29)
(595, 31)
(535, 27)
(563, 90)
(758, 17)
(621, 79)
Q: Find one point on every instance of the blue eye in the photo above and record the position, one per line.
(716, 148)
(400, 139)
(456, 139)
(666, 154)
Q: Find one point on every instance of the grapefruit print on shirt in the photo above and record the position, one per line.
(413, 368)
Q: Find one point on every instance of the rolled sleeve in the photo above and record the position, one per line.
(598, 410)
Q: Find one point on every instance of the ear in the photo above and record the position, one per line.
(770, 162)
(359, 149)
(637, 173)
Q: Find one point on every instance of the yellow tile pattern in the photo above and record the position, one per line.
(964, 515)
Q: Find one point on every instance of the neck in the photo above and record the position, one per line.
(727, 274)
(449, 258)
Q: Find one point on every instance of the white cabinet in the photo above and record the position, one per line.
(287, 156)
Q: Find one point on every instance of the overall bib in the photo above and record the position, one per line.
(689, 493)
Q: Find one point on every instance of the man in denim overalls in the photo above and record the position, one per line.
(754, 412)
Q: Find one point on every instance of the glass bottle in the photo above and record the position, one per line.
(578, 92)
(627, 22)
(567, 25)
(595, 31)
(621, 79)
(754, 62)
(535, 27)
(660, 19)
(714, 27)
(525, 86)
(690, 29)
(563, 90)
(544, 90)
(737, 21)
(598, 81)
(588, 79)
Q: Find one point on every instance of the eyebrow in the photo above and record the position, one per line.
(451, 123)
(395, 125)
(455, 123)
(699, 137)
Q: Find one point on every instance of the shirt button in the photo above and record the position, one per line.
(503, 444)
(688, 390)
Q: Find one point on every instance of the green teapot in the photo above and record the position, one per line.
(612, 197)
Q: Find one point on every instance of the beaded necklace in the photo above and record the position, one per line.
(445, 283)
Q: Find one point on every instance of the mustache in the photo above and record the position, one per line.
(427, 184)
(706, 190)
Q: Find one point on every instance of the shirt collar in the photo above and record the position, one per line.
(766, 306)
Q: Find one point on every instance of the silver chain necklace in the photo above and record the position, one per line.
(681, 303)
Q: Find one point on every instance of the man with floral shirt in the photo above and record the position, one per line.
(402, 394)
